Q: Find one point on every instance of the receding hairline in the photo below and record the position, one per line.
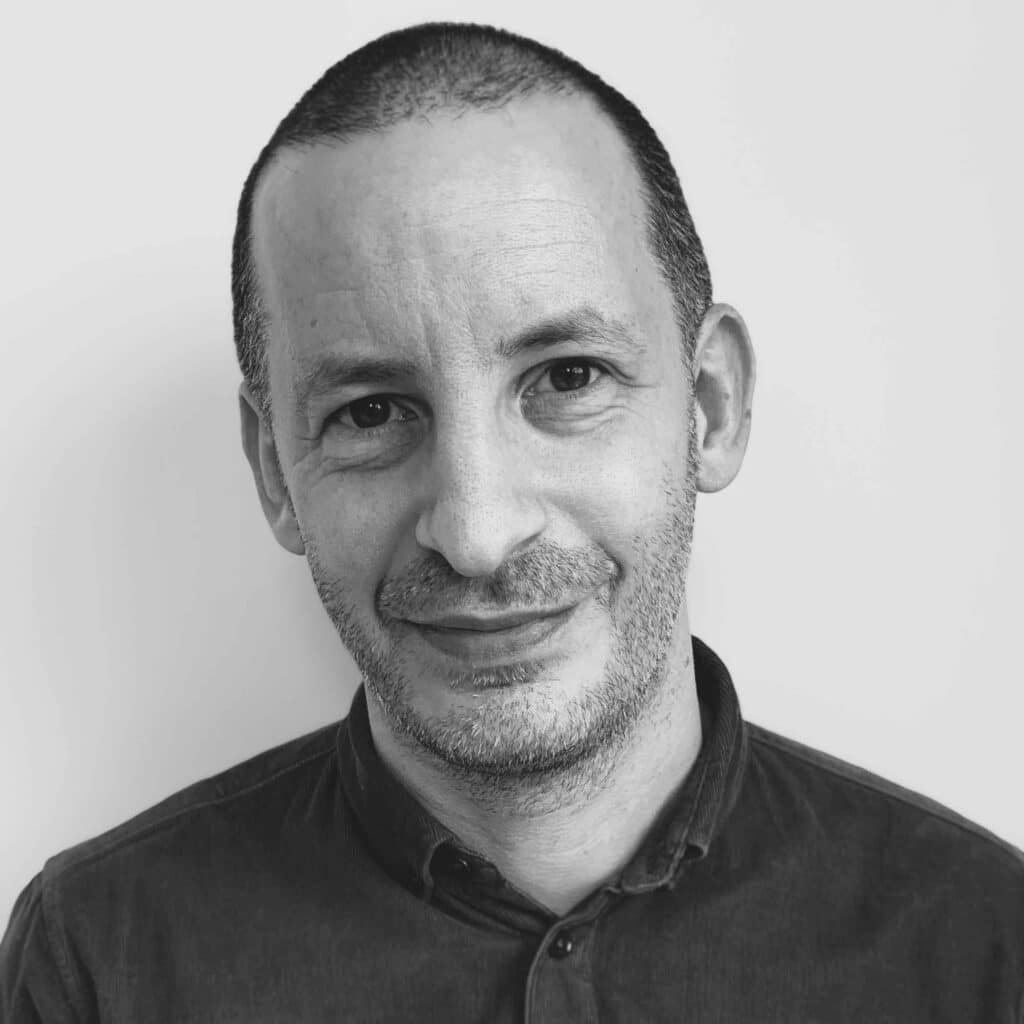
(295, 151)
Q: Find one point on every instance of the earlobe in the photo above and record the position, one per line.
(725, 373)
(261, 451)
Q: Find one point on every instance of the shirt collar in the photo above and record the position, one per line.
(694, 816)
(405, 837)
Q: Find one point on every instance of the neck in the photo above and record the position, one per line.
(559, 840)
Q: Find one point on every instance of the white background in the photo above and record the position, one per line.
(855, 172)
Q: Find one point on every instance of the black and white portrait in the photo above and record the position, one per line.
(512, 514)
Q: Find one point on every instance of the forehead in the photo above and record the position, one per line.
(464, 223)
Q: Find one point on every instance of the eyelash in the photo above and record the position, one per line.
(571, 395)
(575, 392)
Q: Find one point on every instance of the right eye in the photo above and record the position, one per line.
(371, 415)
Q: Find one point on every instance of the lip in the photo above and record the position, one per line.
(483, 639)
(489, 624)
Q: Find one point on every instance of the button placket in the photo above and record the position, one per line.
(560, 984)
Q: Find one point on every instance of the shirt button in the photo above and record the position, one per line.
(561, 947)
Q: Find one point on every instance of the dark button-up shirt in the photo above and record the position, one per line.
(779, 885)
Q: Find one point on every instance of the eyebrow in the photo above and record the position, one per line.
(334, 372)
(581, 324)
(584, 323)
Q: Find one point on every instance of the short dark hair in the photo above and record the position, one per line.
(452, 66)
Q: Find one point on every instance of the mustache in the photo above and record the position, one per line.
(544, 576)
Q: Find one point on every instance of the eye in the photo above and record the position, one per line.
(567, 376)
(371, 414)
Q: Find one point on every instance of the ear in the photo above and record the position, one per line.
(261, 451)
(725, 370)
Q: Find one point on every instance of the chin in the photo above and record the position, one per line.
(526, 719)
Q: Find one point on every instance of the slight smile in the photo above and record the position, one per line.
(479, 638)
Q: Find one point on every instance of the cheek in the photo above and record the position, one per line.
(355, 532)
(626, 488)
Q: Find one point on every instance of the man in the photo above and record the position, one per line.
(484, 380)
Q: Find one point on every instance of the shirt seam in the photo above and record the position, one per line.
(72, 992)
(87, 858)
(950, 818)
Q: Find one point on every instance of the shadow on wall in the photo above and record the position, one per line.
(159, 633)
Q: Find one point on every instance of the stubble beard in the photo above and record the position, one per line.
(525, 735)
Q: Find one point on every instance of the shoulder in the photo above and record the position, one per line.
(202, 835)
(197, 847)
(814, 772)
(869, 825)
(248, 788)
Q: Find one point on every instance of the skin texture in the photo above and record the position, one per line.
(493, 476)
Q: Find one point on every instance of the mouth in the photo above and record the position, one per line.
(479, 639)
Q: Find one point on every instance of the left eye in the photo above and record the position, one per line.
(569, 375)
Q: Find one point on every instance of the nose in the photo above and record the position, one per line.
(479, 510)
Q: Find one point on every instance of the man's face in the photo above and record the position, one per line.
(482, 414)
